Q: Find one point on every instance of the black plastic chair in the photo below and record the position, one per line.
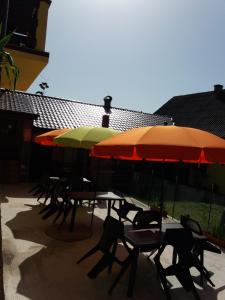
(144, 219)
(124, 210)
(147, 219)
(58, 203)
(49, 188)
(113, 230)
(201, 243)
(182, 242)
(61, 204)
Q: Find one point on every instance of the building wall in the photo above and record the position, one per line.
(15, 136)
(27, 19)
(42, 24)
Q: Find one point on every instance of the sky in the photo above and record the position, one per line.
(140, 52)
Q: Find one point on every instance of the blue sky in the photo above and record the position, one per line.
(141, 52)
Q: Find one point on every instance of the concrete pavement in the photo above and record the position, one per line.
(39, 267)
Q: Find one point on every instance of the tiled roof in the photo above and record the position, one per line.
(204, 111)
(56, 113)
(15, 102)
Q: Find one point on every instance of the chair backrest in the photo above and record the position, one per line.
(181, 239)
(125, 208)
(147, 219)
(191, 224)
(112, 231)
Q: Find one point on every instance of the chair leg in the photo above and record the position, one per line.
(74, 209)
(165, 286)
(41, 194)
(46, 208)
(89, 253)
(38, 191)
(195, 294)
(93, 210)
(47, 195)
(37, 186)
(203, 272)
(58, 215)
(102, 264)
(202, 263)
(113, 253)
(66, 213)
(49, 213)
(151, 253)
(132, 276)
(126, 264)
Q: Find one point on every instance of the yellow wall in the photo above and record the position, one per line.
(42, 25)
(30, 65)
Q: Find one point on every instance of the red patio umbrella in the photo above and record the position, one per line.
(46, 139)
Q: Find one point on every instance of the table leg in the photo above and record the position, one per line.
(109, 207)
(120, 204)
(66, 212)
(74, 209)
(133, 271)
(93, 209)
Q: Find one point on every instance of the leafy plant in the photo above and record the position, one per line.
(7, 64)
(219, 232)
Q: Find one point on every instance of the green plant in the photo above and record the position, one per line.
(7, 64)
(219, 232)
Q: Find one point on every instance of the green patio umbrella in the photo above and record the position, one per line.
(84, 137)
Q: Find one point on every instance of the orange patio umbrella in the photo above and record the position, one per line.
(163, 143)
(46, 139)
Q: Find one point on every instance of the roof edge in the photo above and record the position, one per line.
(77, 101)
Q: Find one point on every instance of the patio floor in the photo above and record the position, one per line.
(37, 266)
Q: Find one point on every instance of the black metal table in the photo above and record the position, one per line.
(95, 196)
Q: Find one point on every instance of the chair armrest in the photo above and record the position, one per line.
(211, 248)
(199, 237)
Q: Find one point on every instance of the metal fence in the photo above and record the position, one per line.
(205, 206)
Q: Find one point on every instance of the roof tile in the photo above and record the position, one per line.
(56, 113)
(202, 110)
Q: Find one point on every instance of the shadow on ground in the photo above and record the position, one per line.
(40, 267)
(52, 272)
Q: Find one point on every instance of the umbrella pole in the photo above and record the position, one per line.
(175, 195)
(210, 205)
(150, 187)
(176, 187)
(162, 193)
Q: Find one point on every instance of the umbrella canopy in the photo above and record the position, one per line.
(163, 143)
(85, 137)
(46, 139)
